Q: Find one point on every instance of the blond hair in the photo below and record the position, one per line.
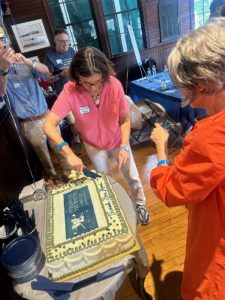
(200, 57)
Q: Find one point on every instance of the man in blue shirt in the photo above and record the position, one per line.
(28, 104)
(15, 173)
(57, 60)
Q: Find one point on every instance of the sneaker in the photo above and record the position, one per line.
(142, 214)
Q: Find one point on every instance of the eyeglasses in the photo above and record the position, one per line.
(63, 41)
(87, 84)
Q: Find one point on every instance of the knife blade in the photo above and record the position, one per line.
(93, 279)
(91, 174)
(110, 272)
(61, 288)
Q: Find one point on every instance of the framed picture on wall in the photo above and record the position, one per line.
(31, 35)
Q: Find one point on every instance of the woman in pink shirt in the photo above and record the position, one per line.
(97, 101)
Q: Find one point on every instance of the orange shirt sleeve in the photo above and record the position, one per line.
(198, 169)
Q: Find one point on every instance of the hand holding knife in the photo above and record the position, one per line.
(90, 174)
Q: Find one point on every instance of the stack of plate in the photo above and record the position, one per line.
(23, 258)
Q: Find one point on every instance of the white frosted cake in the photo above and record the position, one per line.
(85, 227)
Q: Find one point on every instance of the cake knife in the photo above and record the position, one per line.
(93, 279)
(91, 174)
(98, 277)
(45, 284)
(61, 288)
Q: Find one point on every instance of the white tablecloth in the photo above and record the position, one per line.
(102, 290)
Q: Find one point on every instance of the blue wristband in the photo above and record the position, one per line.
(163, 162)
(60, 145)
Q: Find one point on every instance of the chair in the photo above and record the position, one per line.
(143, 116)
(142, 119)
(135, 114)
(159, 115)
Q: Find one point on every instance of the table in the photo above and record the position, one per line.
(106, 289)
(169, 98)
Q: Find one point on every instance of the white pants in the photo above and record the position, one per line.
(33, 132)
(101, 161)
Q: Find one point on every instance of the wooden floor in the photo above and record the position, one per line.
(163, 239)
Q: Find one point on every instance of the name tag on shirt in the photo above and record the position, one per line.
(59, 61)
(84, 110)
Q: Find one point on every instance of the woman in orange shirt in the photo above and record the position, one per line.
(197, 178)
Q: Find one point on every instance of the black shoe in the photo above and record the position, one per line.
(142, 214)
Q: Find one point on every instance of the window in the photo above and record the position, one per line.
(168, 19)
(76, 17)
(82, 18)
(201, 12)
(118, 14)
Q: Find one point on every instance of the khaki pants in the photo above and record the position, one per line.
(101, 160)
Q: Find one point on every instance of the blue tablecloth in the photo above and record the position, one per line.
(170, 98)
(154, 84)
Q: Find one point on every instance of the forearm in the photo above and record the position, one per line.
(39, 67)
(53, 78)
(6, 60)
(51, 130)
(20, 59)
(162, 151)
(125, 132)
(160, 137)
(53, 133)
(3, 84)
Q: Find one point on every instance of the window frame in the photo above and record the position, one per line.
(101, 26)
(69, 24)
(203, 13)
(173, 37)
(139, 8)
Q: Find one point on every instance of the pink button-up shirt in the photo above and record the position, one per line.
(98, 126)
